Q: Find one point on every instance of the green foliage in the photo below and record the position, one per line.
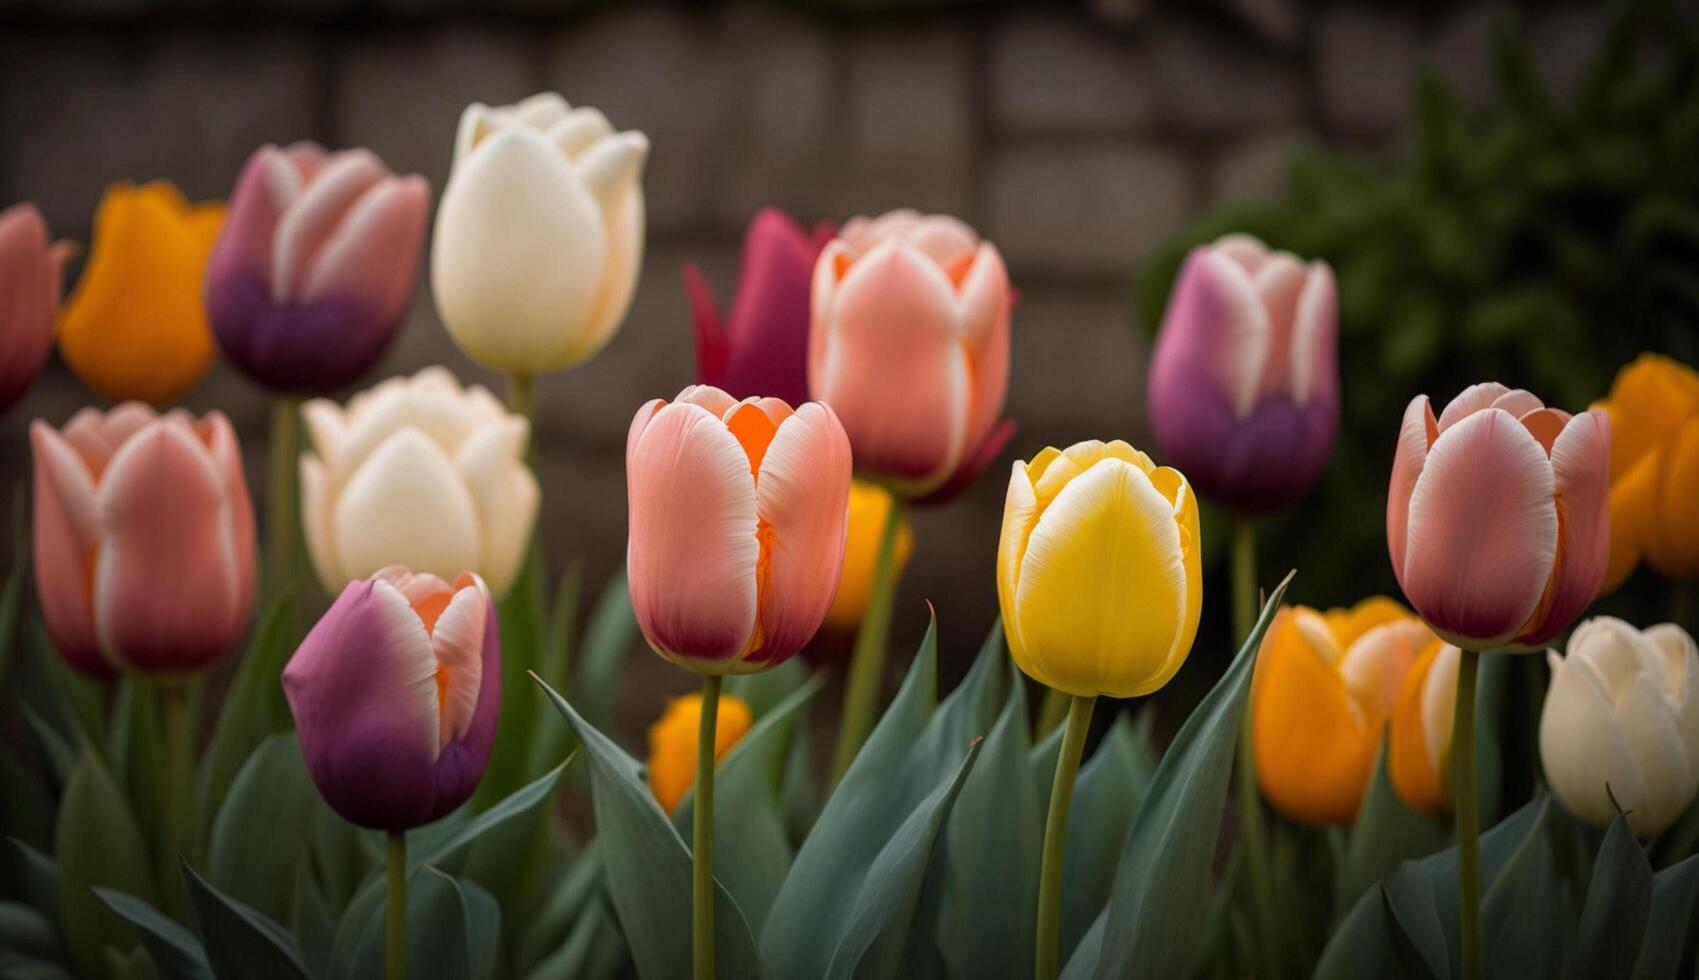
(1540, 241)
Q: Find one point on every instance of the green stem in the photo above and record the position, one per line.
(1056, 835)
(283, 529)
(1465, 792)
(702, 834)
(1051, 712)
(395, 925)
(872, 645)
(522, 396)
(1244, 560)
(179, 789)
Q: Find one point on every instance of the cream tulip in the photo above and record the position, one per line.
(1621, 723)
(421, 472)
(539, 235)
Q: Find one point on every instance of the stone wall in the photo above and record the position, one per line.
(1074, 137)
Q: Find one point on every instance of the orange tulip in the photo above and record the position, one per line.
(1419, 754)
(869, 507)
(1654, 412)
(672, 743)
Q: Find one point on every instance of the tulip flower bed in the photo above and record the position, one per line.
(218, 775)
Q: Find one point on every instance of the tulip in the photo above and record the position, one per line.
(869, 507)
(673, 738)
(1324, 686)
(910, 346)
(135, 327)
(144, 539)
(417, 471)
(762, 350)
(315, 269)
(1244, 383)
(1654, 412)
(1419, 753)
(1496, 518)
(539, 235)
(738, 512)
(31, 274)
(1620, 727)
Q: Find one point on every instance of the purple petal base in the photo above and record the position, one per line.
(1264, 464)
(296, 349)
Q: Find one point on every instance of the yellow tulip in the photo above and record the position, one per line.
(672, 743)
(1324, 687)
(869, 506)
(136, 326)
(1654, 412)
(1098, 570)
(1419, 750)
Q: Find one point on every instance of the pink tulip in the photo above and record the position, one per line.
(31, 277)
(738, 515)
(910, 346)
(144, 539)
(1497, 518)
(315, 268)
(762, 346)
(396, 693)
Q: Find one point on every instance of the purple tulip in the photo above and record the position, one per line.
(395, 694)
(1244, 384)
(763, 350)
(315, 267)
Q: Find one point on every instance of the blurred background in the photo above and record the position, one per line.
(1505, 191)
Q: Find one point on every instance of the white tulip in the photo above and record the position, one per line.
(419, 472)
(539, 235)
(1623, 712)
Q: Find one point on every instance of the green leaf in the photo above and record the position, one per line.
(752, 854)
(1386, 833)
(1158, 900)
(523, 635)
(1408, 898)
(24, 930)
(554, 666)
(556, 919)
(34, 876)
(453, 931)
(96, 843)
(1619, 901)
(19, 966)
(312, 922)
(765, 690)
(176, 953)
(264, 826)
(648, 866)
(592, 951)
(607, 638)
(253, 708)
(1520, 927)
(241, 943)
(1107, 794)
(25, 810)
(1670, 922)
(11, 605)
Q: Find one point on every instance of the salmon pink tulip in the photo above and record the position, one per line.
(144, 539)
(395, 694)
(315, 268)
(31, 275)
(910, 346)
(1244, 383)
(1497, 518)
(738, 513)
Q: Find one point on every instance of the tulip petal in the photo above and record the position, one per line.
(1102, 587)
(30, 281)
(1649, 400)
(989, 449)
(1584, 748)
(692, 556)
(1315, 336)
(985, 324)
(1674, 549)
(1416, 769)
(802, 496)
(1671, 775)
(1415, 435)
(406, 504)
(318, 521)
(1580, 463)
(1314, 748)
(219, 436)
(617, 189)
(65, 539)
(1279, 282)
(1483, 531)
(1020, 510)
(1633, 508)
(372, 255)
(457, 642)
(1680, 673)
(314, 217)
(492, 463)
(1470, 400)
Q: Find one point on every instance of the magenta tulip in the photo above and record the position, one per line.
(144, 539)
(910, 346)
(738, 514)
(1497, 518)
(762, 348)
(31, 278)
(1243, 395)
(315, 267)
(395, 694)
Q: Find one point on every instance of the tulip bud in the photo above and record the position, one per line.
(1496, 518)
(1419, 750)
(144, 539)
(417, 471)
(1620, 727)
(1654, 413)
(135, 327)
(539, 236)
(869, 506)
(1244, 382)
(672, 743)
(1324, 686)
(737, 527)
(910, 346)
(31, 275)
(1098, 571)
(315, 269)
(762, 350)
(395, 694)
